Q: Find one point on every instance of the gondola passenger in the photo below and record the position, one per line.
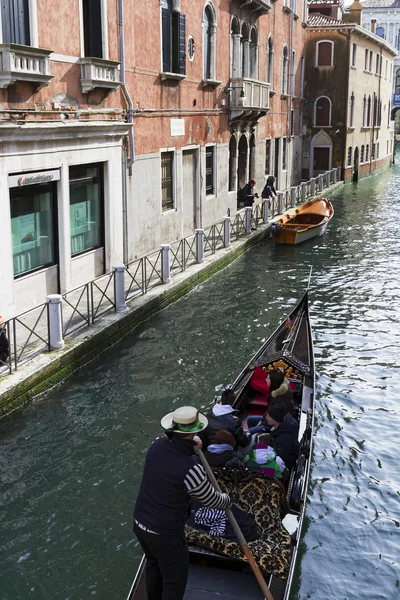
(284, 430)
(264, 457)
(172, 476)
(222, 450)
(222, 416)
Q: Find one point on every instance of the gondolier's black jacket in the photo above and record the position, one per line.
(172, 475)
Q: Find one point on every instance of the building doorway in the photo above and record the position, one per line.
(189, 192)
(276, 162)
(321, 153)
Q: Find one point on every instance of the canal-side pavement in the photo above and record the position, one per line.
(49, 368)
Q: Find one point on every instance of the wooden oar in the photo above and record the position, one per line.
(248, 553)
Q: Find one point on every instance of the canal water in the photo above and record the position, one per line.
(71, 466)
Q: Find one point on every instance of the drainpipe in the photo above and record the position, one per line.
(131, 157)
(127, 161)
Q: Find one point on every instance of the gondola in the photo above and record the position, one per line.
(213, 575)
(303, 223)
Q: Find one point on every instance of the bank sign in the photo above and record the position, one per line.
(33, 178)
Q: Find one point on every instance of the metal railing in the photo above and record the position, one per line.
(29, 333)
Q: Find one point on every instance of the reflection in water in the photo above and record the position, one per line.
(71, 467)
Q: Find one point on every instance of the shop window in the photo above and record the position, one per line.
(173, 39)
(92, 28)
(15, 22)
(86, 207)
(167, 180)
(33, 227)
(210, 188)
(324, 54)
(323, 109)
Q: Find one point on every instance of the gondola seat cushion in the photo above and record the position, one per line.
(263, 499)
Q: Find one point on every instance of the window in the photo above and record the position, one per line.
(235, 49)
(397, 82)
(92, 28)
(369, 111)
(292, 73)
(33, 227)
(284, 153)
(167, 180)
(366, 152)
(302, 76)
(209, 42)
(364, 111)
(380, 32)
(386, 68)
(354, 55)
(371, 56)
(210, 170)
(322, 112)
(351, 123)
(377, 151)
(173, 39)
(388, 119)
(387, 147)
(190, 48)
(270, 61)
(324, 54)
(245, 48)
(267, 156)
(373, 152)
(304, 11)
(86, 207)
(292, 122)
(366, 60)
(15, 22)
(285, 70)
(349, 156)
(362, 154)
(377, 64)
(254, 54)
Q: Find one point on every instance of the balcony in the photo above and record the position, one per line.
(261, 5)
(24, 63)
(249, 98)
(99, 73)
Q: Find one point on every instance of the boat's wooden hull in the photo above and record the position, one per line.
(212, 576)
(304, 223)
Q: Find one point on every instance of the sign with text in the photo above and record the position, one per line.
(177, 127)
(25, 179)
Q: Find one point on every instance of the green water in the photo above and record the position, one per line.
(70, 468)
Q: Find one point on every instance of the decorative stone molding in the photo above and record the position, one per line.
(99, 73)
(24, 63)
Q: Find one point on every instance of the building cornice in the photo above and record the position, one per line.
(13, 132)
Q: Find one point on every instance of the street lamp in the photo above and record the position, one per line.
(242, 97)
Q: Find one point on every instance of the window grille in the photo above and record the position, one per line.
(167, 180)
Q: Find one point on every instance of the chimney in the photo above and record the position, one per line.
(373, 25)
(353, 13)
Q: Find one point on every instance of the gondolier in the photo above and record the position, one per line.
(172, 475)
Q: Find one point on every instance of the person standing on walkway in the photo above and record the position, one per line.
(248, 193)
(172, 475)
(4, 344)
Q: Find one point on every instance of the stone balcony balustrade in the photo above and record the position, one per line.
(249, 95)
(99, 73)
(24, 63)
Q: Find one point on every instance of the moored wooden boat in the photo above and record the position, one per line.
(304, 222)
(214, 576)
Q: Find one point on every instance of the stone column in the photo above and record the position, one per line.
(56, 341)
(119, 288)
(199, 245)
(165, 263)
(227, 232)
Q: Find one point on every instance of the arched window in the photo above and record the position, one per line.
(371, 57)
(350, 156)
(270, 62)
(366, 152)
(364, 111)
(362, 154)
(397, 83)
(369, 111)
(232, 164)
(173, 30)
(375, 109)
(322, 112)
(366, 60)
(377, 64)
(245, 47)
(354, 55)
(352, 99)
(254, 54)
(324, 55)
(380, 32)
(209, 44)
(235, 49)
(285, 60)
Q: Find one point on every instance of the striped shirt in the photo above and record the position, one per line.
(197, 485)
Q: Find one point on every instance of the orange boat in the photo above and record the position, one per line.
(304, 223)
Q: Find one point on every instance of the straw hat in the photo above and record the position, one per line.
(186, 419)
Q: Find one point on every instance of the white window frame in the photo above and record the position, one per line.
(317, 53)
(33, 25)
(213, 48)
(104, 29)
(315, 112)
